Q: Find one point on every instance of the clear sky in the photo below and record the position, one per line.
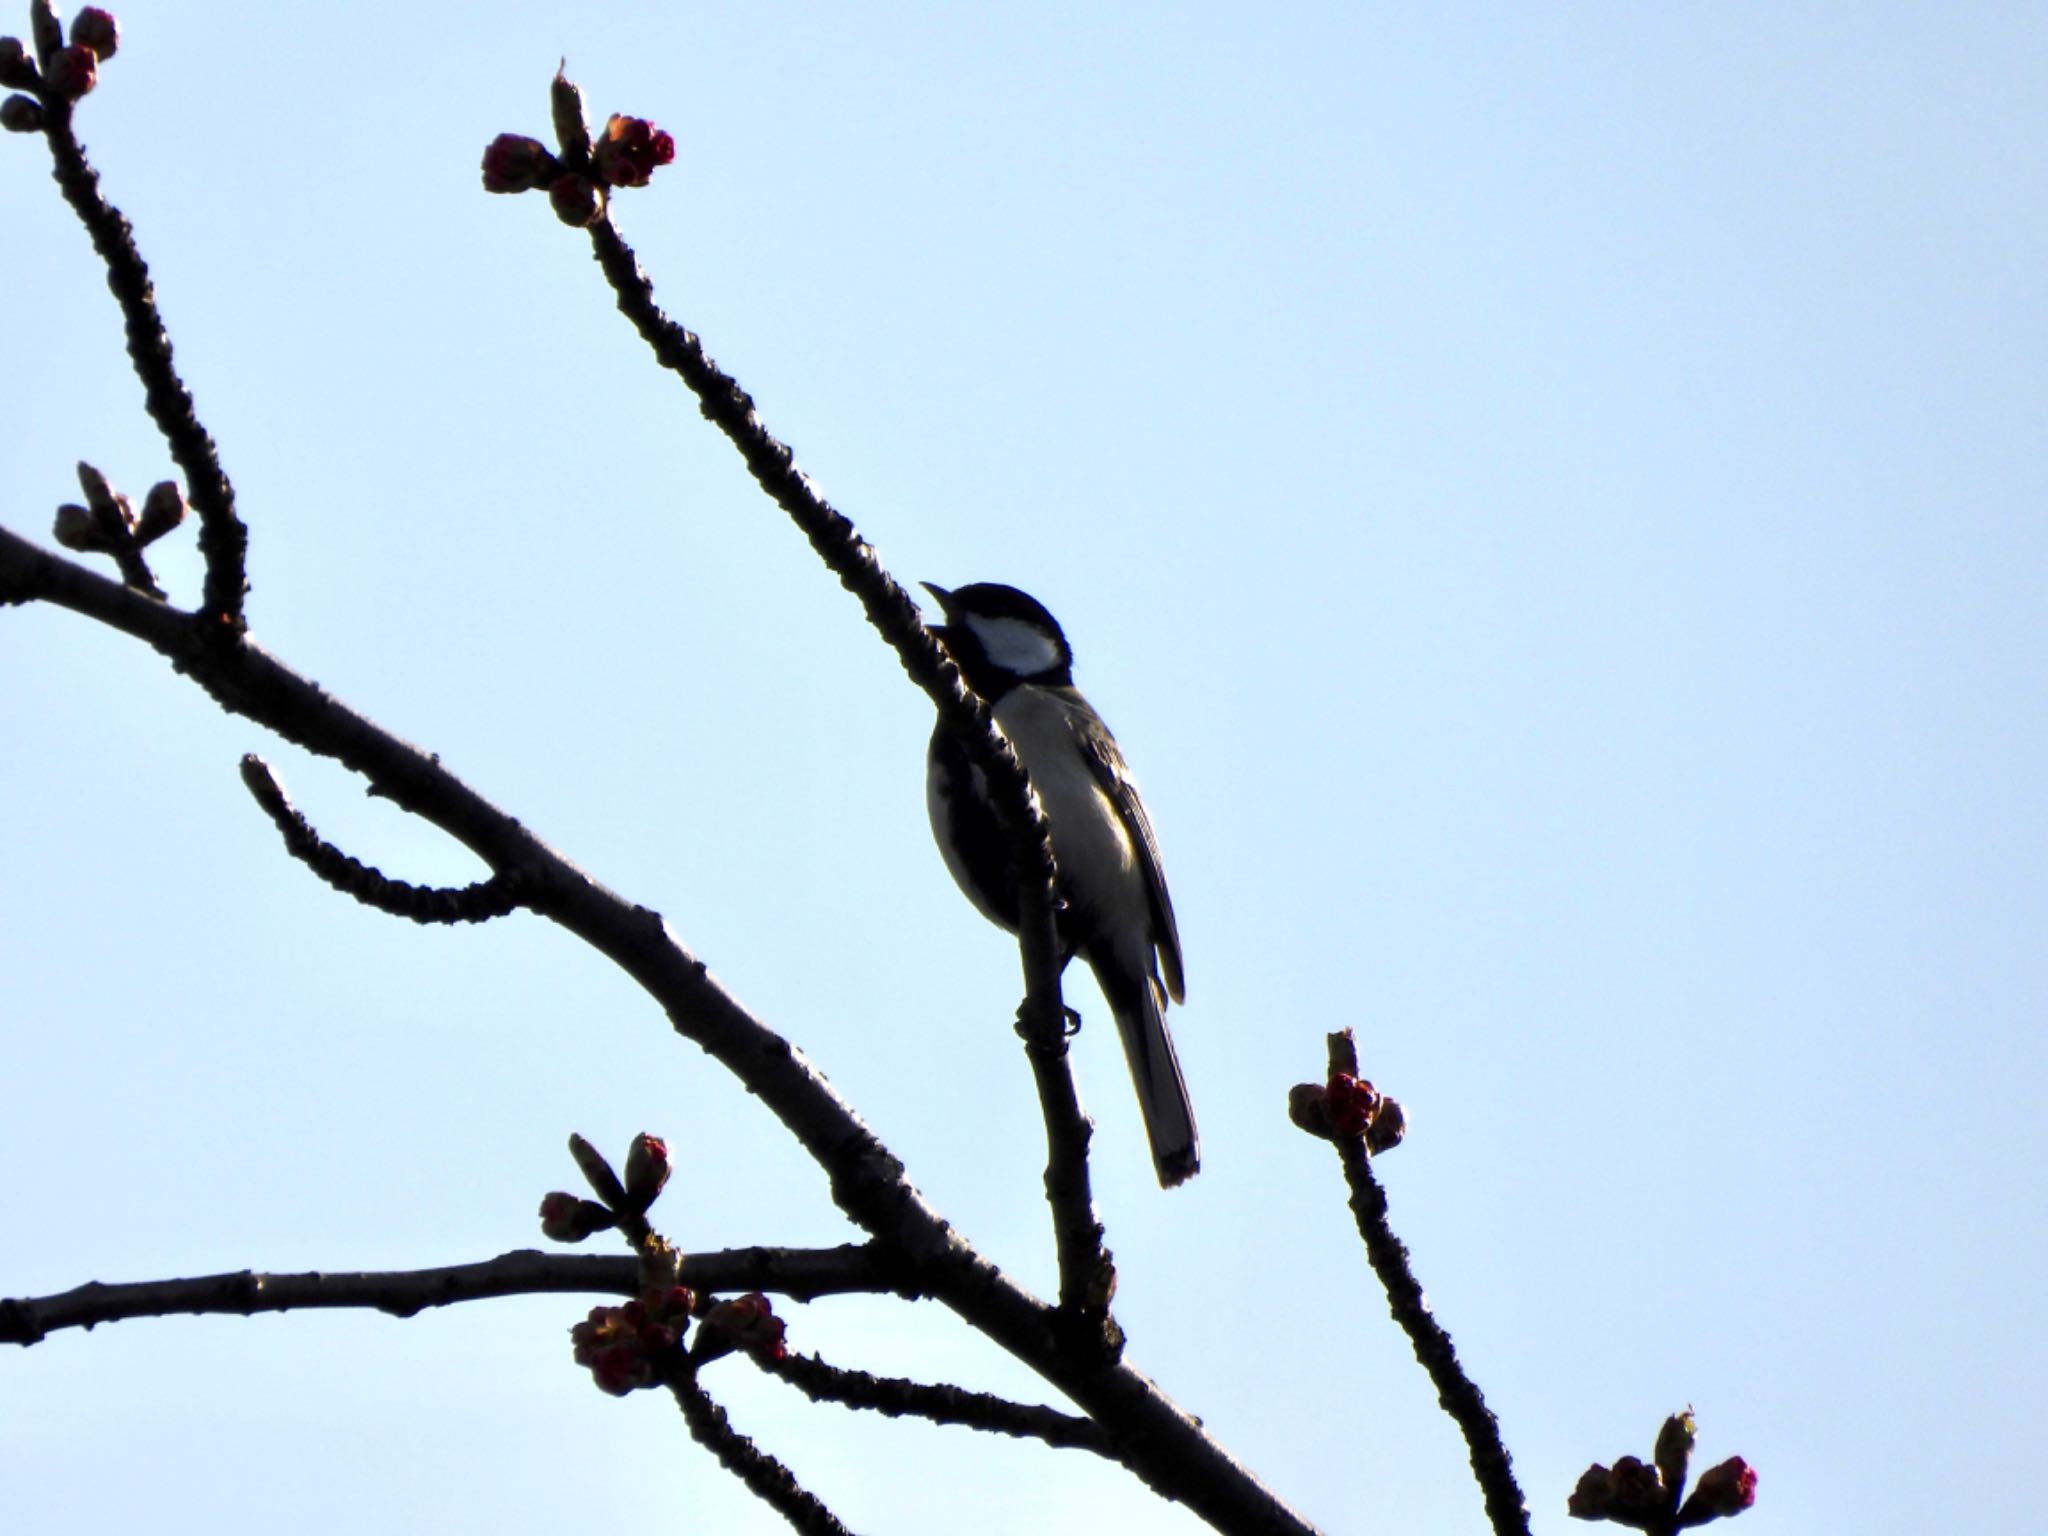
(1551, 499)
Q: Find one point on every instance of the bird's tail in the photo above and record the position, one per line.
(1139, 1003)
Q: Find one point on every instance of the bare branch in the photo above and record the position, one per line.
(223, 540)
(1083, 1262)
(805, 1273)
(477, 903)
(764, 1476)
(942, 1404)
(1457, 1392)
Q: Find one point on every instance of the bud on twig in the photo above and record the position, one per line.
(603, 1182)
(76, 528)
(578, 201)
(572, 132)
(21, 114)
(742, 1322)
(647, 1170)
(567, 1219)
(1674, 1448)
(17, 69)
(516, 163)
(162, 510)
(1726, 1489)
(1389, 1125)
(96, 29)
(74, 72)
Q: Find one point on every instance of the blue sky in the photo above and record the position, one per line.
(1550, 498)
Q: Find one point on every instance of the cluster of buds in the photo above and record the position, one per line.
(1647, 1495)
(1343, 1107)
(108, 524)
(624, 1348)
(58, 71)
(578, 175)
(567, 1218)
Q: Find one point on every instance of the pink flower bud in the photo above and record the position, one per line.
(1351, 1104)
(630, 151)
(21, 114)
(578, 201)
(647, 1170)
(96, 29)
(1726, 1489)
(74, 72)
(515, 163)
(743, 1322)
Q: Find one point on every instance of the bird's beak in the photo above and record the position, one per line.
(945, 598)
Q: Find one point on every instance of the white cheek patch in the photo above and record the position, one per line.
(1017, 646)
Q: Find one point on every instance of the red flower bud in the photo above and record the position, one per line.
(21, 114)
(630, 151)
(578, 201)
(1352, 1101)
(515, 163)
(1594, 1496)
(96, 29)
(1726, 1489)
(74, 72)
(647, 1170)
(743, 1322)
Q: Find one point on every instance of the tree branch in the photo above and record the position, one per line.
(764, 1476)
(1457, 1392)
(942, 1404)
(804, 1273)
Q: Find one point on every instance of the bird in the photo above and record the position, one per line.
(1114, 911)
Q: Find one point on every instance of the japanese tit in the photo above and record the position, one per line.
(1114, 911)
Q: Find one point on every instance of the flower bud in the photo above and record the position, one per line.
(742, 1322)
(1638, 1491)
(630, 151)
(515, 163)
(21, 114)
(76, 528)
(603, 1182)
(1594, 1496)
(1351, 1103)
(74, 71)
(647, 1170)
(1674, 1448)
(567, 1219)
(1305, 1108)
(578, 201)
(572, 132)
(1726, 1489)
(96, 29)
(17, 69)
(1389, 1125)
(162, 510)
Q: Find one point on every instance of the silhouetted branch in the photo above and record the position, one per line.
(942, 1404)
(1077, 1234)
(1460, 1396)
(805, 1273)
(223, 540)
(477, 903)
(764, 1476)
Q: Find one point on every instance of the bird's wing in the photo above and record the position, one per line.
(1106, 762)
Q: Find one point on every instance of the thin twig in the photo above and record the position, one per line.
(1457, 1392)
(897, 1396)
(890, 609)
(223, 540)
(476, 903)
(764, 1476)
